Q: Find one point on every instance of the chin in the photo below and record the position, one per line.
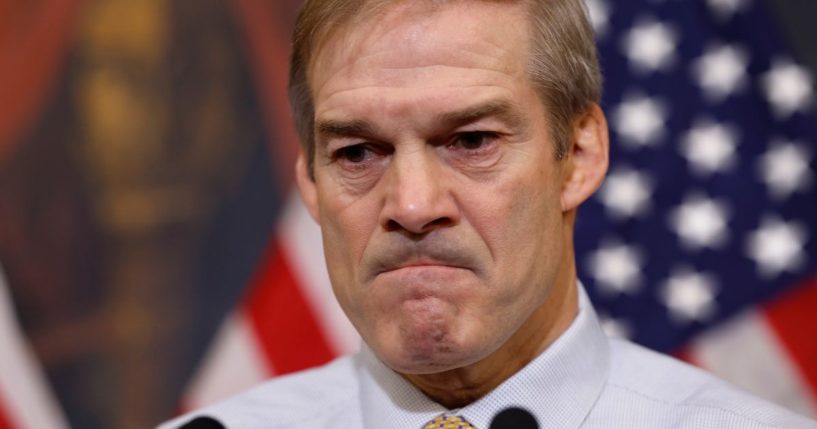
(423, 338)
(427, 356)
(422, 365)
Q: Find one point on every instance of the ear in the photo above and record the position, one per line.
(587, 160)
(306, 187)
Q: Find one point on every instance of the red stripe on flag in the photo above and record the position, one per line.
(5, 421)
(284, 324)
(686, 355)
(794, 320)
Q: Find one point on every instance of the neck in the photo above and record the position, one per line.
(459, 387)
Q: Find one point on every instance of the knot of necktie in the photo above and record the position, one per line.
(448, 422)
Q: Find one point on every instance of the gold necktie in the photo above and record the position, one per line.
(448, 422)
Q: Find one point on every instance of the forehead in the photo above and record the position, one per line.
(411, 40)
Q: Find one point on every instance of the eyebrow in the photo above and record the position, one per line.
(338, 128)
(502, 109)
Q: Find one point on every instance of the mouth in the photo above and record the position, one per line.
(419, 265)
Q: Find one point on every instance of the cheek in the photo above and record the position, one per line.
(346, 229)
(536, 223)
(521, 225)
(346, 225)
(518, 219)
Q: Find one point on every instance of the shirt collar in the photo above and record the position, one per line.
(559, 387)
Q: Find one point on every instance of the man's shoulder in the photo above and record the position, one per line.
(679, 395)
(313, 397)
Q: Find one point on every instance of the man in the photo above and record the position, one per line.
(447, 146)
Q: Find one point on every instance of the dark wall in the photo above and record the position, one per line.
(797, 18)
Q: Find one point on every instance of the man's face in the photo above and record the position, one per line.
(435, 184)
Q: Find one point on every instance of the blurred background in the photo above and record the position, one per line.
(154, 259)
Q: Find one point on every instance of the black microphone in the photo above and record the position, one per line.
(514, 418)
(203, 422)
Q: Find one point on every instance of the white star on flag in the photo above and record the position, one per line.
(725, 9)
(639, 120)
(721, 71)
(599, 12)
(785, 168)
(650, 45)
(616, 328)
(777, 246)
(626, 193)
(700, 222)
(788, 88)
(709, 147)
(616, 267)
(689, 296)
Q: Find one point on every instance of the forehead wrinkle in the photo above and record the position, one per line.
(351, 122)
(404, 25)
(368, 69)
(372, 86)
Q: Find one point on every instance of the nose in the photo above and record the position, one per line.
(418, 197)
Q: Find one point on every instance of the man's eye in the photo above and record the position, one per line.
(355, 153)
(474, 140)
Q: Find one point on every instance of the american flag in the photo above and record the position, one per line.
(701, 242)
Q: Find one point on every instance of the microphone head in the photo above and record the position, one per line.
(514, 418)
(203, 422)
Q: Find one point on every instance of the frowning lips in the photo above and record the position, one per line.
(433, 250)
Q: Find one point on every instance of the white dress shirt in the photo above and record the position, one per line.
(583, 380)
